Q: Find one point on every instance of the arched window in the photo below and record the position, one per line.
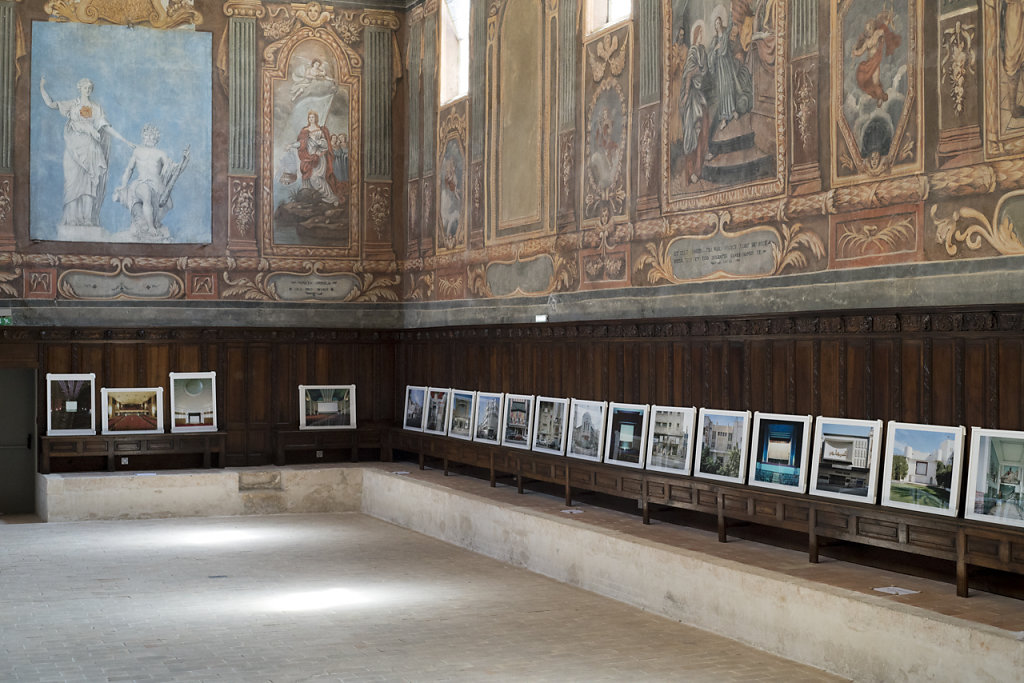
(601, 13)
(454, 81)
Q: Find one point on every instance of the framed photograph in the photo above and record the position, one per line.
(415, 398)
(460, 417)
(487, 417)
(438, 404)
(193, 401)
(670, 439)
(994, 475)
(69, 402)
(626, 434)
(845, 460)
(722, 437)
(516, 421)
(327, 406)
(549, 420)
(779, 459)
(922, 467)
(586, 429)
(132, 411)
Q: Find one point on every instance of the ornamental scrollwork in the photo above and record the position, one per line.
(1001, 235)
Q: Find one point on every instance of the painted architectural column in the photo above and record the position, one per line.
(568, 85)
(379, 42)
(414, 130)
(8, 55)
(243, 130)
(648, 23)
(808, 103)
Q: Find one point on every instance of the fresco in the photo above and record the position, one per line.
(312, 193)
(120, 145)
(1004, 82)
(606, 152)
(452, 192)
(876, 69)
(724, 111)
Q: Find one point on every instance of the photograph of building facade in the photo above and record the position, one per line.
(996, 465)
(670, 439)
(844, 464)
(549, 434)
(723, 442)
(488, 417)
(923, 466)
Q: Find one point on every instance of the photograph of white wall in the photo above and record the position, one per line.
(460, 417)
(69, 404)
(922, 467)
(327, 406)
(670, 439)
(722, 444)
(517, 421)
(132, 411)
(193, 401)
(845, 459)
(626, 434)
(487, 417)
(438, 404)
(994, 492)
(549, 421)
(778, 459)
(586, 429)
(415, 398)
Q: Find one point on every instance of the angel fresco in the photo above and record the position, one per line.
(875, 43)
(721, 94)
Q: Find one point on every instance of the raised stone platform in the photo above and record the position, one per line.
(824, 615)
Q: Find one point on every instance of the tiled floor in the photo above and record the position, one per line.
(321, 598)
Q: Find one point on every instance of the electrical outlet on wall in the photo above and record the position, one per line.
(124, 461)
(319, 454)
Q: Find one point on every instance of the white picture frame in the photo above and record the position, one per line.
(586, 429)
(722, 444)
(913, 478)
(70, 404)
(327, 406)
(845, 459)
(193, 402)
(995, 476)
(439, 403)
(460, 416)
(415, 401)
(132, 410)
(550, 420)
(625, 441)
(487, 414)
(779, 451)
(670, 439)
(517, 421)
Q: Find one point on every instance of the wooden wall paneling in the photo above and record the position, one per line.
(256, 398)
(231, 410)
(19, 355)
(758, 380)
(155, 366)
(188, 359)
(884, 387)
(943, 382)
(121, 365)
(91, 359)
(322, 366)
(976, 384)
(829, 386)
(284, 382)
(683, 374)
(911, 360)
(1009, 361)
(804, 389)
(617, 370)
(856, 380)
(781, 377)
(665, 371)
(383, 378)
(57, 359)
(735, 373)
(648, 373)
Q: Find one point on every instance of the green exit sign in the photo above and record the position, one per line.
(6, 320)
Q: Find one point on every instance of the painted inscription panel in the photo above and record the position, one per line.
(121, 134)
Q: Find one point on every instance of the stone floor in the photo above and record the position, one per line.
(340, 597)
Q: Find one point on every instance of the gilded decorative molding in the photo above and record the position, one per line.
(244, 8)
(1000, 232)
(243, 207)
(153, 13)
